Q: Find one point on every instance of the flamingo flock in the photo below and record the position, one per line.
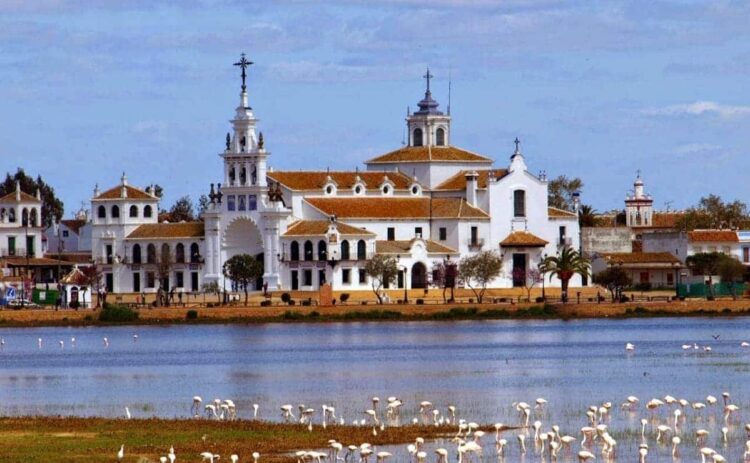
(171, 456)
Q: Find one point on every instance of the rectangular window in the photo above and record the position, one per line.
(194, 281)
(362, 276)
(108, 253)
(11, 245)
(65, 233)
(418, 232)
(136, 282)
(670, 279)
(321, 277)
(295, 280)
(230, 202)
(562, 235)
(391, 233)
(400, 279)
(746, 254)
(346, 276)
(30, 246)
(150, 279)
(443, 234)
(180, 279)
(252, 203)
(109, 281)
(474, 235)
(519, 203)
(241, 203)
(307, 275)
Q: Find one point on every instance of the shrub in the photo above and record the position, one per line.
(265, 303)
(117, 313)
(540, 300)
(420, 301)
(314, 314)
(344, 297)
(306, 302)
(289, 315)
(191, 315)
(209, 304)
(88, 318)
(74, 305)
(291, 302)
(286, 297)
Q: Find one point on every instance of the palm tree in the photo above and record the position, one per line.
(587, 216)
(564, 266)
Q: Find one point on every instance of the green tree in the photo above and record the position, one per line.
(243, 269)
(564, 265)
(560, 191)
(203, 203)
(731, 271)
(213, 288)
(182, 210)
(706, 264)
(382, 270)
(712, 212)
(615, 280)
(52, 207)
(479, 270)
(587, 216)
(444, 276)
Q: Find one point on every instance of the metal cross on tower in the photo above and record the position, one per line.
(517, 142)
(428, 76)
(243, 63)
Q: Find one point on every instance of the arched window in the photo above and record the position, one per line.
(2, 214)
(344, 250)
(519, 203)
(24, 217)
(133, 211)
(115, 211)
(101, 212)
(195, 253)
(147, 211)
(12, 215)
(179, 253)
(32, 217)
(294, 251)
(361, 250)
(166, 254)
(151, 254)
(308, 250)
(136, 253)
(440, 137)
(417, 137)
(322, 251)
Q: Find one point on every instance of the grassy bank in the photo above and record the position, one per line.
(355, 313)
(84, 440)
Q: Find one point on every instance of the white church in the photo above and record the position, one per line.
(423, 203)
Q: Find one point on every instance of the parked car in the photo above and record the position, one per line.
(16, 304)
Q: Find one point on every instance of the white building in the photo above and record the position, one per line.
(424, 202)
(20, 224)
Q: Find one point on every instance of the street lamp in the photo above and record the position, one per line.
(23, 275)
(406, 296)
(541, 267)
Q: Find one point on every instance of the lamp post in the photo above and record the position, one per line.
(23, 275)
(406, 296)
(541, 268)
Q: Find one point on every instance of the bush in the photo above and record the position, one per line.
(191, 315)
(344, 297)
(291, 302)
(289, 315)
(314, 314)
(265, 303)
(74, 305)
(209, 304)
(420, 301)
(643, 287)
(306, 303)
(540, 300)
(286, 297)
(88, 318)
(117, 313)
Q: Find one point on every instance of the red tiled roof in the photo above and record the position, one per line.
(169, 230)
(320, 228)
(11, 198)
(665, 219)
(713, 236)
(640, 257)
(554, 212)
(397, 208)
(429, 153)
(74, 277)
(132, 193)
(404, 246)
(523, 239)
(316, 180)
(73, 225)
(458, 181)
(71, 256)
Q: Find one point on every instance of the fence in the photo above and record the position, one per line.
(718, 289)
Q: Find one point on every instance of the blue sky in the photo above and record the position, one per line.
(593, 89)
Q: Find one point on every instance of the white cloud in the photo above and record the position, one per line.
(699, 108)
(691, 149)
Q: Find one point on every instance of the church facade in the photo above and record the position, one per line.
(424, 203)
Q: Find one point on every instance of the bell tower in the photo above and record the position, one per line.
(428, 126)
(639, 207)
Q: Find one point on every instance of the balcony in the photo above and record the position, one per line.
(565, 242)
(17, 252)
(475, 244)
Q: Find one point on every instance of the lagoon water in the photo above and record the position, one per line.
(482, 367)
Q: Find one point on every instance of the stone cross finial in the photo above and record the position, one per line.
(244, 63)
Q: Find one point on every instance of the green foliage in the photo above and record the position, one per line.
(113, 313)
(52, 207)
(182, 210)
(344, 297)
(191, 315)
(587, 216)
(560, 191)
(731, 271)
(286, 297)
(381, 269)
(479, 270)
(564, 265)
(712, 212)
(614, 279)
(243, 269)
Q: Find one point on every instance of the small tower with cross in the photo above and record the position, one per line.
(428, 126)
(639, 206)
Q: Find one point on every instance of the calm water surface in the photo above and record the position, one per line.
(480, 366)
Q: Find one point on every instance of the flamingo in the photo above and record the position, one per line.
(706, 452)
(700, 435)
(675, 442)
(380, 457)
(39, 342)
(256, 456)
(643, 451)
(522, 442)
(208, 456)
(442, 455)
(197, 400)
(234, 458)
(255, 410)
(501, 447)
(584, 456)
(629, 347)
(121, 453)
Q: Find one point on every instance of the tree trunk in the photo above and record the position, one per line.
(245, 295)
(564, 283)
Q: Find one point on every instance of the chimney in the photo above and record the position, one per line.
(38, 194)
(471, 188)
(18, 190)
(576, 201)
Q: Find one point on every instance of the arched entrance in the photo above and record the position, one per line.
(418, 276)
(242, 236)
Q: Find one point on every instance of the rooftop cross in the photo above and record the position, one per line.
(638, 173)
(428, 76)
(243, 63)
(517, 142)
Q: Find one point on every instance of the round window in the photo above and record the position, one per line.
(329, 189)
(358, 189)
(414, 190)
(386, 190)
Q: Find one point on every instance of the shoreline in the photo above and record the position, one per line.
(33, 318)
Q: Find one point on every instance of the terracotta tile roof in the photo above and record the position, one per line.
(640, 257)
(320, 228)
(74, 225)
(458, 181)
(316, 180)
(133, 193)
(554, 212)
(11, 198)
(397, 208)
(523, 239)
(72, 256)
(169, 230)
(74, 277)
(404, 246)
(429, 153)
(17, 261)
(665, 219)
(713, 236)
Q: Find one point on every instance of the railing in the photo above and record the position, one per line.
(17, 252)
(475, 243)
